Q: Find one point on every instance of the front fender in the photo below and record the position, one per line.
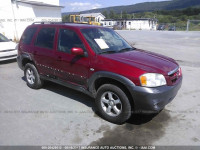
(100, 74)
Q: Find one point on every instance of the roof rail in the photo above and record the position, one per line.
(57, 23)
(47, 22)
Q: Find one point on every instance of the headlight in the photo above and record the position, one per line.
(152, 80)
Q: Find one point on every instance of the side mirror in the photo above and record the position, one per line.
(77, 51)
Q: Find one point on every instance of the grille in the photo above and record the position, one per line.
(8, 56)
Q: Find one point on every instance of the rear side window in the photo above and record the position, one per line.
(45, 38)
(28, 35)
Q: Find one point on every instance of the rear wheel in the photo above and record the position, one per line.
(32, 77)
(113, 104)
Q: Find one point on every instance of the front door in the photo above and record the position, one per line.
(71, 68)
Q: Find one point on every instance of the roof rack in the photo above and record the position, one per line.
(49, 22)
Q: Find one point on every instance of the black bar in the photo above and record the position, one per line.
(80, 147)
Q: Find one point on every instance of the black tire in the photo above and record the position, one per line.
(37, 82)
(117, 94)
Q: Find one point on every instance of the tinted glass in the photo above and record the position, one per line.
(67, 40)
(3, 38)
(45, 38)
(28, 35)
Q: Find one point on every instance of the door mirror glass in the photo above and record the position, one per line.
(77, 51)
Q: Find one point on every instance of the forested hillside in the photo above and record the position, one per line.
(150, 6)
(175, 12)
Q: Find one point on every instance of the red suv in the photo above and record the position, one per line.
(97, 61)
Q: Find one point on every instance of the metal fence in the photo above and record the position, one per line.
(190, 25)
(193, 25)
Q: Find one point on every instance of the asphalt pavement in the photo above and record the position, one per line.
(56, 115)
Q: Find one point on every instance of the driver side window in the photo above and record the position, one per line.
(67, 40)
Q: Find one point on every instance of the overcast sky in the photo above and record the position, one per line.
(80, 5)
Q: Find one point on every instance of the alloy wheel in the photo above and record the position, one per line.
(30, 76)
(111, 104)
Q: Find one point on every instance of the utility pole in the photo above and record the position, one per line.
(188, 23)
(16, 33)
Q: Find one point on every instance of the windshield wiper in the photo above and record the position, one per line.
(126, 49)
(114, 51)
(108, 52)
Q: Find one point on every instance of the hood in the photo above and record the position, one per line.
(147, 61)
(7, 45)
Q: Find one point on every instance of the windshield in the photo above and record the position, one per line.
(104, 40)
(3, 38)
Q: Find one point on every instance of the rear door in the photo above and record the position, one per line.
(43, 51)
(71, 68)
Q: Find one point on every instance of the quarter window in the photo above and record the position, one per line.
(45, 38)
(28, 35)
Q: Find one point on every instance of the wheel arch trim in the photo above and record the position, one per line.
(105, 74)
(22, 57)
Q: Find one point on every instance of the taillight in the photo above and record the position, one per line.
(18, 49)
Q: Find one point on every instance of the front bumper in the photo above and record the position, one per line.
(152, 100)
(8, 55)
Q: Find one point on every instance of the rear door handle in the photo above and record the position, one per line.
(34, 52)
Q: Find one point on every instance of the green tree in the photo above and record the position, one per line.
(106, 14)
(117, 16)
(129, 16)
(65, 18)
(124, 15)
(112, 14)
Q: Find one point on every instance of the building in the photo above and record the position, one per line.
(132, 24)
(98, 17)
(16, 15)
(109, 22)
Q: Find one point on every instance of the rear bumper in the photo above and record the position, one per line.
(19, 62)
(152, 100)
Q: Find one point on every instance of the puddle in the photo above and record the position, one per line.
(139, 130)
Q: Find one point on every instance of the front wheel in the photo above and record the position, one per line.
(113, 104)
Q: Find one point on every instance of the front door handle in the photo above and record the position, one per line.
(59, 58)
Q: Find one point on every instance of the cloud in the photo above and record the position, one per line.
(80, 6)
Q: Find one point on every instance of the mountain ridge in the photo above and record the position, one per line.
(145, 7)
